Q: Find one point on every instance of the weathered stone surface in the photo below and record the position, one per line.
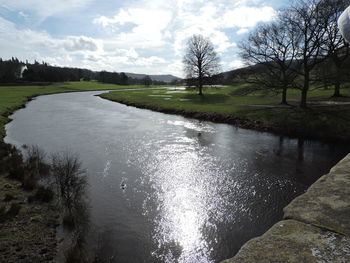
(327, 202)
(295, 242)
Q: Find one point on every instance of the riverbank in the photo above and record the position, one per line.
(316, 225)
(27, 229)
(325, 118)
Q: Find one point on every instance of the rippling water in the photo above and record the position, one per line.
(164, 188)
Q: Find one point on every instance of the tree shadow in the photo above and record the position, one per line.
(207, 98)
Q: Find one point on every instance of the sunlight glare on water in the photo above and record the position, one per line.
(185, 183)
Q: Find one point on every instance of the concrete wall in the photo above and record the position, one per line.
(315, 229)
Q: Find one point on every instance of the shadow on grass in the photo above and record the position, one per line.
(319, 120)
(207, 98)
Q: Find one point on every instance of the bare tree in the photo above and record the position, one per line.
(200, 60)
(306, 18)
(70, 180)
(273, 46)
(334, 45)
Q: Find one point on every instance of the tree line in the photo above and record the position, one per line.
(14, 70)
(301, 49)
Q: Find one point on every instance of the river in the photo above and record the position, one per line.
(164, 188)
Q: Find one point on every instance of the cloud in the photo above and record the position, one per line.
(147, 26)
(45, 8)
(245, 17)
(141, 36)
(170, 23)
(80, 43)
(22, 14)
(75, 51)
(128, 52)
(236, 64)
(242, 31)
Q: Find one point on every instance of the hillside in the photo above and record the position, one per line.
(165, 78)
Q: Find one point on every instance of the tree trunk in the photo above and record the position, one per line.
(337, 90)
(337, 84)
(303, 101)
(284, 96)
(338, 77)
(200, 82)
(284, 90)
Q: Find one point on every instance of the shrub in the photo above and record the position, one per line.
(8, 198)
(13, 211)
(69, 221)
(44, 194)
(15, 166)
(2, 213)
(70, 180)
(29, 181)
(75, 255)
(35, 161)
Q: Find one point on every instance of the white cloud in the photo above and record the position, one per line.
(68, 51)
(242, 31)
(22, 14)
(236, 64)
(81, 43)
(128, 52)
(45, 8)
(245, 17)
(147, 27)
(143, 36)
(169, 24)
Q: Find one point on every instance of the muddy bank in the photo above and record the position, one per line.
(27, 229)
(245, 123)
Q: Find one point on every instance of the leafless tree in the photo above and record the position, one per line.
(200, 60)
(70, 180)
(306, 18)
(273, 46)
(334, 45)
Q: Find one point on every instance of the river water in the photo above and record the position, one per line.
(165, 188)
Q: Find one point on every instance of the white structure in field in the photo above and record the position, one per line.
(344, 24)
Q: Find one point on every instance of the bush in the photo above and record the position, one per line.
(2, 213)
(30, 181)
(13, 211)
(15, 166)
(70, 180)
(44, 194)
(35, 161)
(69, 221)
(8, 198)
(75, 255)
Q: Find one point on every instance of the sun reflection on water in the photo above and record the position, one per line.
(184, 189)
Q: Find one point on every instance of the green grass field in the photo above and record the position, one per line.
(13, 97)
(331, 119)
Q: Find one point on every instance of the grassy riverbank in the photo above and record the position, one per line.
(325, 118)
(14, 97)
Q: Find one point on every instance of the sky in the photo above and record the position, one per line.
(139, 36)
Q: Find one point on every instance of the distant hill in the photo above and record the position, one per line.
(165, 78)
